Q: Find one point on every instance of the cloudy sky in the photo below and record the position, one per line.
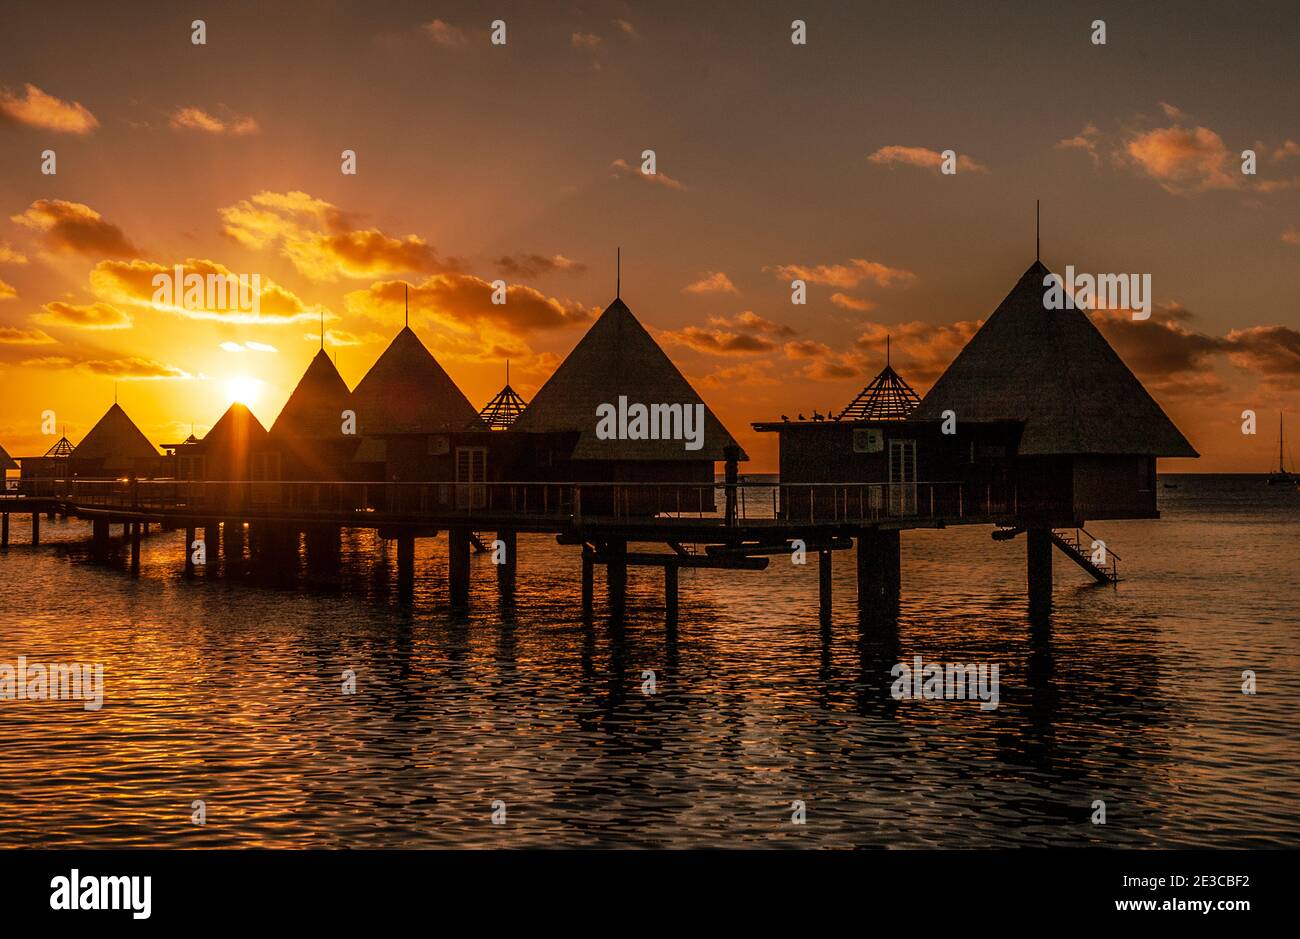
(523, 162)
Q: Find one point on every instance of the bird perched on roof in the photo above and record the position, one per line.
(785, 419)
(802, 418)
(817, 416)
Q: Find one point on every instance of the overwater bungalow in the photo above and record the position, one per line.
(226, 452)
(7, 464)
(308, 441)
(617, 410)
(415, 424)
(115, 447)
(52, 465)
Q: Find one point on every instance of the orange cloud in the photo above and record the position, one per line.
(847, 302)
(712, 282)
(920, 156)
(445, 34)
(536, 265)
(198, 119)
(844, 275)
(94, 316)
(718, 341)
(9, 256)
(132, 282)
(586, 41)
(1183, 160)
(38, 109)
(18, 336)
(74, 228)
(7, 291)
(463, 302)
(624, 170)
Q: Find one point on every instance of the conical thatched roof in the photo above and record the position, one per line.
(62, 447)
(314, 410)
(235, 431)
(618, 357)
(1055, 371)
(407, 392)
(6, 461)
(115, 440)
(504, 409)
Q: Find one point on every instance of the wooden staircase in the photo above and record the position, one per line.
(1076, 544)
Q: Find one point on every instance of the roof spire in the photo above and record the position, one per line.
(1037, 252)
(322, 329)
(507, 372)
(406, 288)
(618, 272)
(886, 350)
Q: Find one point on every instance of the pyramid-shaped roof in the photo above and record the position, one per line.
(504, 409)
(886, 398)
(237, 429)
(1055, 371)
(116, 440)
(314, 410)
(618, 357)
(62, 448)
(406, 391)
(6, 461)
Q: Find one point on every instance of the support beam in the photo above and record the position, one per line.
(506, 573)
(588, 583)
(4, 531)
(135, 547)
(670, 592)
(879, 573)
(99, 540)
(616, 577)
(1038, 551)
(233, 540)
(458, 547)
(36, 528)
(824, 586)
(406, 564)
(212, 546)
(190, 535)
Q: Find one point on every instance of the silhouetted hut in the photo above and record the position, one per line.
(226, 452)
(52, 465)
(308, 442)
(7, 463)
(618, 411)
(1091, 432)
(414, 422)
(871, 460)
(115, 447)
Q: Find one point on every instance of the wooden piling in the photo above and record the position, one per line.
(670, 592)
(99, 540)
(36, 528)
(190, 534)
(458, 547)
(616, 577)
(588, 584)
(824, 561)
(4, 531)
(135, 547)
(233, 540)
(1038, 556)
(879, 573)
(212, 546)
(406, 563)
(506, 573)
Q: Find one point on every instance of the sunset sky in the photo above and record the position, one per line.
(522, 162)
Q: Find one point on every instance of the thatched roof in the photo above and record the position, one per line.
(6, 461)
(62, 448)
(504, 409)
(315, 409)
(886, 398)
(116, 440)
(407, 392)
(237, 431)
(1055, 371)
(618, 357)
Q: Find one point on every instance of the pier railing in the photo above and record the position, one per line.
(747, 501)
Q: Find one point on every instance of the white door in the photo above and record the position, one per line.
(471, 467)
(902, 477)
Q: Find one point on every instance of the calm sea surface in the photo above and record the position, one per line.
(220, 690)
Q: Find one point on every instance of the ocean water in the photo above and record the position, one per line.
(229, 691)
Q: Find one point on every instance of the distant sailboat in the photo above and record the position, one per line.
(1281, 476)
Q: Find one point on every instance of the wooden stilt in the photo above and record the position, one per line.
(879, 573)
(458, 547)
(588, 584)
(506, 573)
(190, 534)
(36, 528)
(4, 531)
(1038, 550)
(99, 540)
(233, 540)
(670, 592)
(824, 586)
(212, 546)
(616, 578)
(135, 547)
(406, 564)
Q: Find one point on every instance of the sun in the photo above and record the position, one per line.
(243, 389)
